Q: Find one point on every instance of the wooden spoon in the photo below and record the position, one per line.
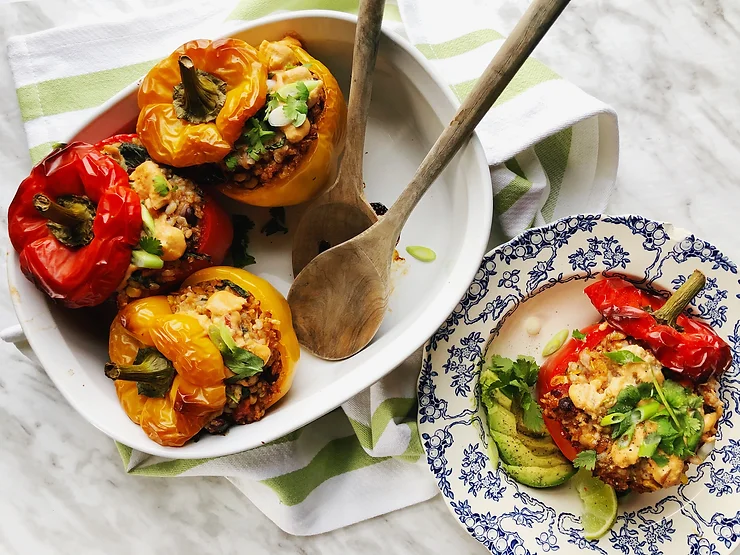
(342, 212)
(339, 299)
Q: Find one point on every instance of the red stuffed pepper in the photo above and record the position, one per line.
(635, 397)
(74, 223)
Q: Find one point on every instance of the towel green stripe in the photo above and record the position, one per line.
(553, 154)
(507, 197)
(168, 469)
(68, 94)
(125, 452)
(532, 73)
(337, 457)
(252, 9)
(414, 451)
(39, 151)
(459, 45)
(514, 167)
(389, 409)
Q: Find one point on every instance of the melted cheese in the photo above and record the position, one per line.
(223, 302)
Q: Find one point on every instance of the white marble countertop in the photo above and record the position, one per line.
(669, 69)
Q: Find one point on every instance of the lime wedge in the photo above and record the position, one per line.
(599, 504)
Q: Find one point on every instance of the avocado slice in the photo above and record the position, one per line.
(501, 420)
(523, 428)
(501, 399)
(538, 477)
(514, 452)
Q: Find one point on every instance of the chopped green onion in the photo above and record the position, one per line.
(649, 446)
(425, 254)
(555, 343)
(143, 259)
(614, 418)
(147, 219)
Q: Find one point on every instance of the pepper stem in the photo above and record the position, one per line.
(152, 367)
(69, 216)
(675, 305)
(200, 96)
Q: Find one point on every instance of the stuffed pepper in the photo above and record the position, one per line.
(195, 102)
(635, 397)
(288, 152)
(218, 352)
(75, 222)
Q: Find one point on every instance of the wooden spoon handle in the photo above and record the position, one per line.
(533, 25)
(367, 36)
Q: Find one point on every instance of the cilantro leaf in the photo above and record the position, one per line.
(240, 361)
(152, 245)
(240, 245)
(531, 413)
(660, 460)
(255, 131)
(525, 368)
(302, 90)
(577, 334)
(231, 162)
(296, 109)
(272, 104)
(623, 357)
(160, 185)
(585, 459)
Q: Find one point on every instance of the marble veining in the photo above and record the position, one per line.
(669, 69)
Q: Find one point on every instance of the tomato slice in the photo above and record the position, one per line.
(557, 365)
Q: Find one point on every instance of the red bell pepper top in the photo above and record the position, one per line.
(680, 343)
(85, 275)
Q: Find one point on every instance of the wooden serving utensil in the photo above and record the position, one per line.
(342, 212)
(339, 299)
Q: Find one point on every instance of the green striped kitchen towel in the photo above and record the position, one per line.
(552, 150)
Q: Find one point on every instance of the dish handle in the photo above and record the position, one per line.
(15, 335)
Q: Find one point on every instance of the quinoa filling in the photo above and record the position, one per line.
(222, 303)
(595, 382)
(175, 205)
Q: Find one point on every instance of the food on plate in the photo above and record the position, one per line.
(515, 424)
(195, 102)
(220, 351)
(184, 230)
(288, 152)
(423, 254)
(630, 400)
(75, 222)
(636, 397)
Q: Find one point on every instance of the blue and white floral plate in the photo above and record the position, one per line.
(553, 263)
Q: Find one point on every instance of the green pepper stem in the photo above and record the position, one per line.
(201, 95)
(154, 368)
(69, 216)
(677, 302)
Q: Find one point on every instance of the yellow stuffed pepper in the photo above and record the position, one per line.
(288, 153)
(220, 351)
(195, 102)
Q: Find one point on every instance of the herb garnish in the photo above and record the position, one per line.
(515, 379)
(255, 132)
(673, 409)
(585, 459)
(152, 245)
(578, 335)
(231, 162)
(160, 185)
(240, 361)
(623, 357)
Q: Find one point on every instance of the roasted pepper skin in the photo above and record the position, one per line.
(176, 142)
(197, 394)
(318, 166)
(76, 276)
(693, 350)
(270, 300)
